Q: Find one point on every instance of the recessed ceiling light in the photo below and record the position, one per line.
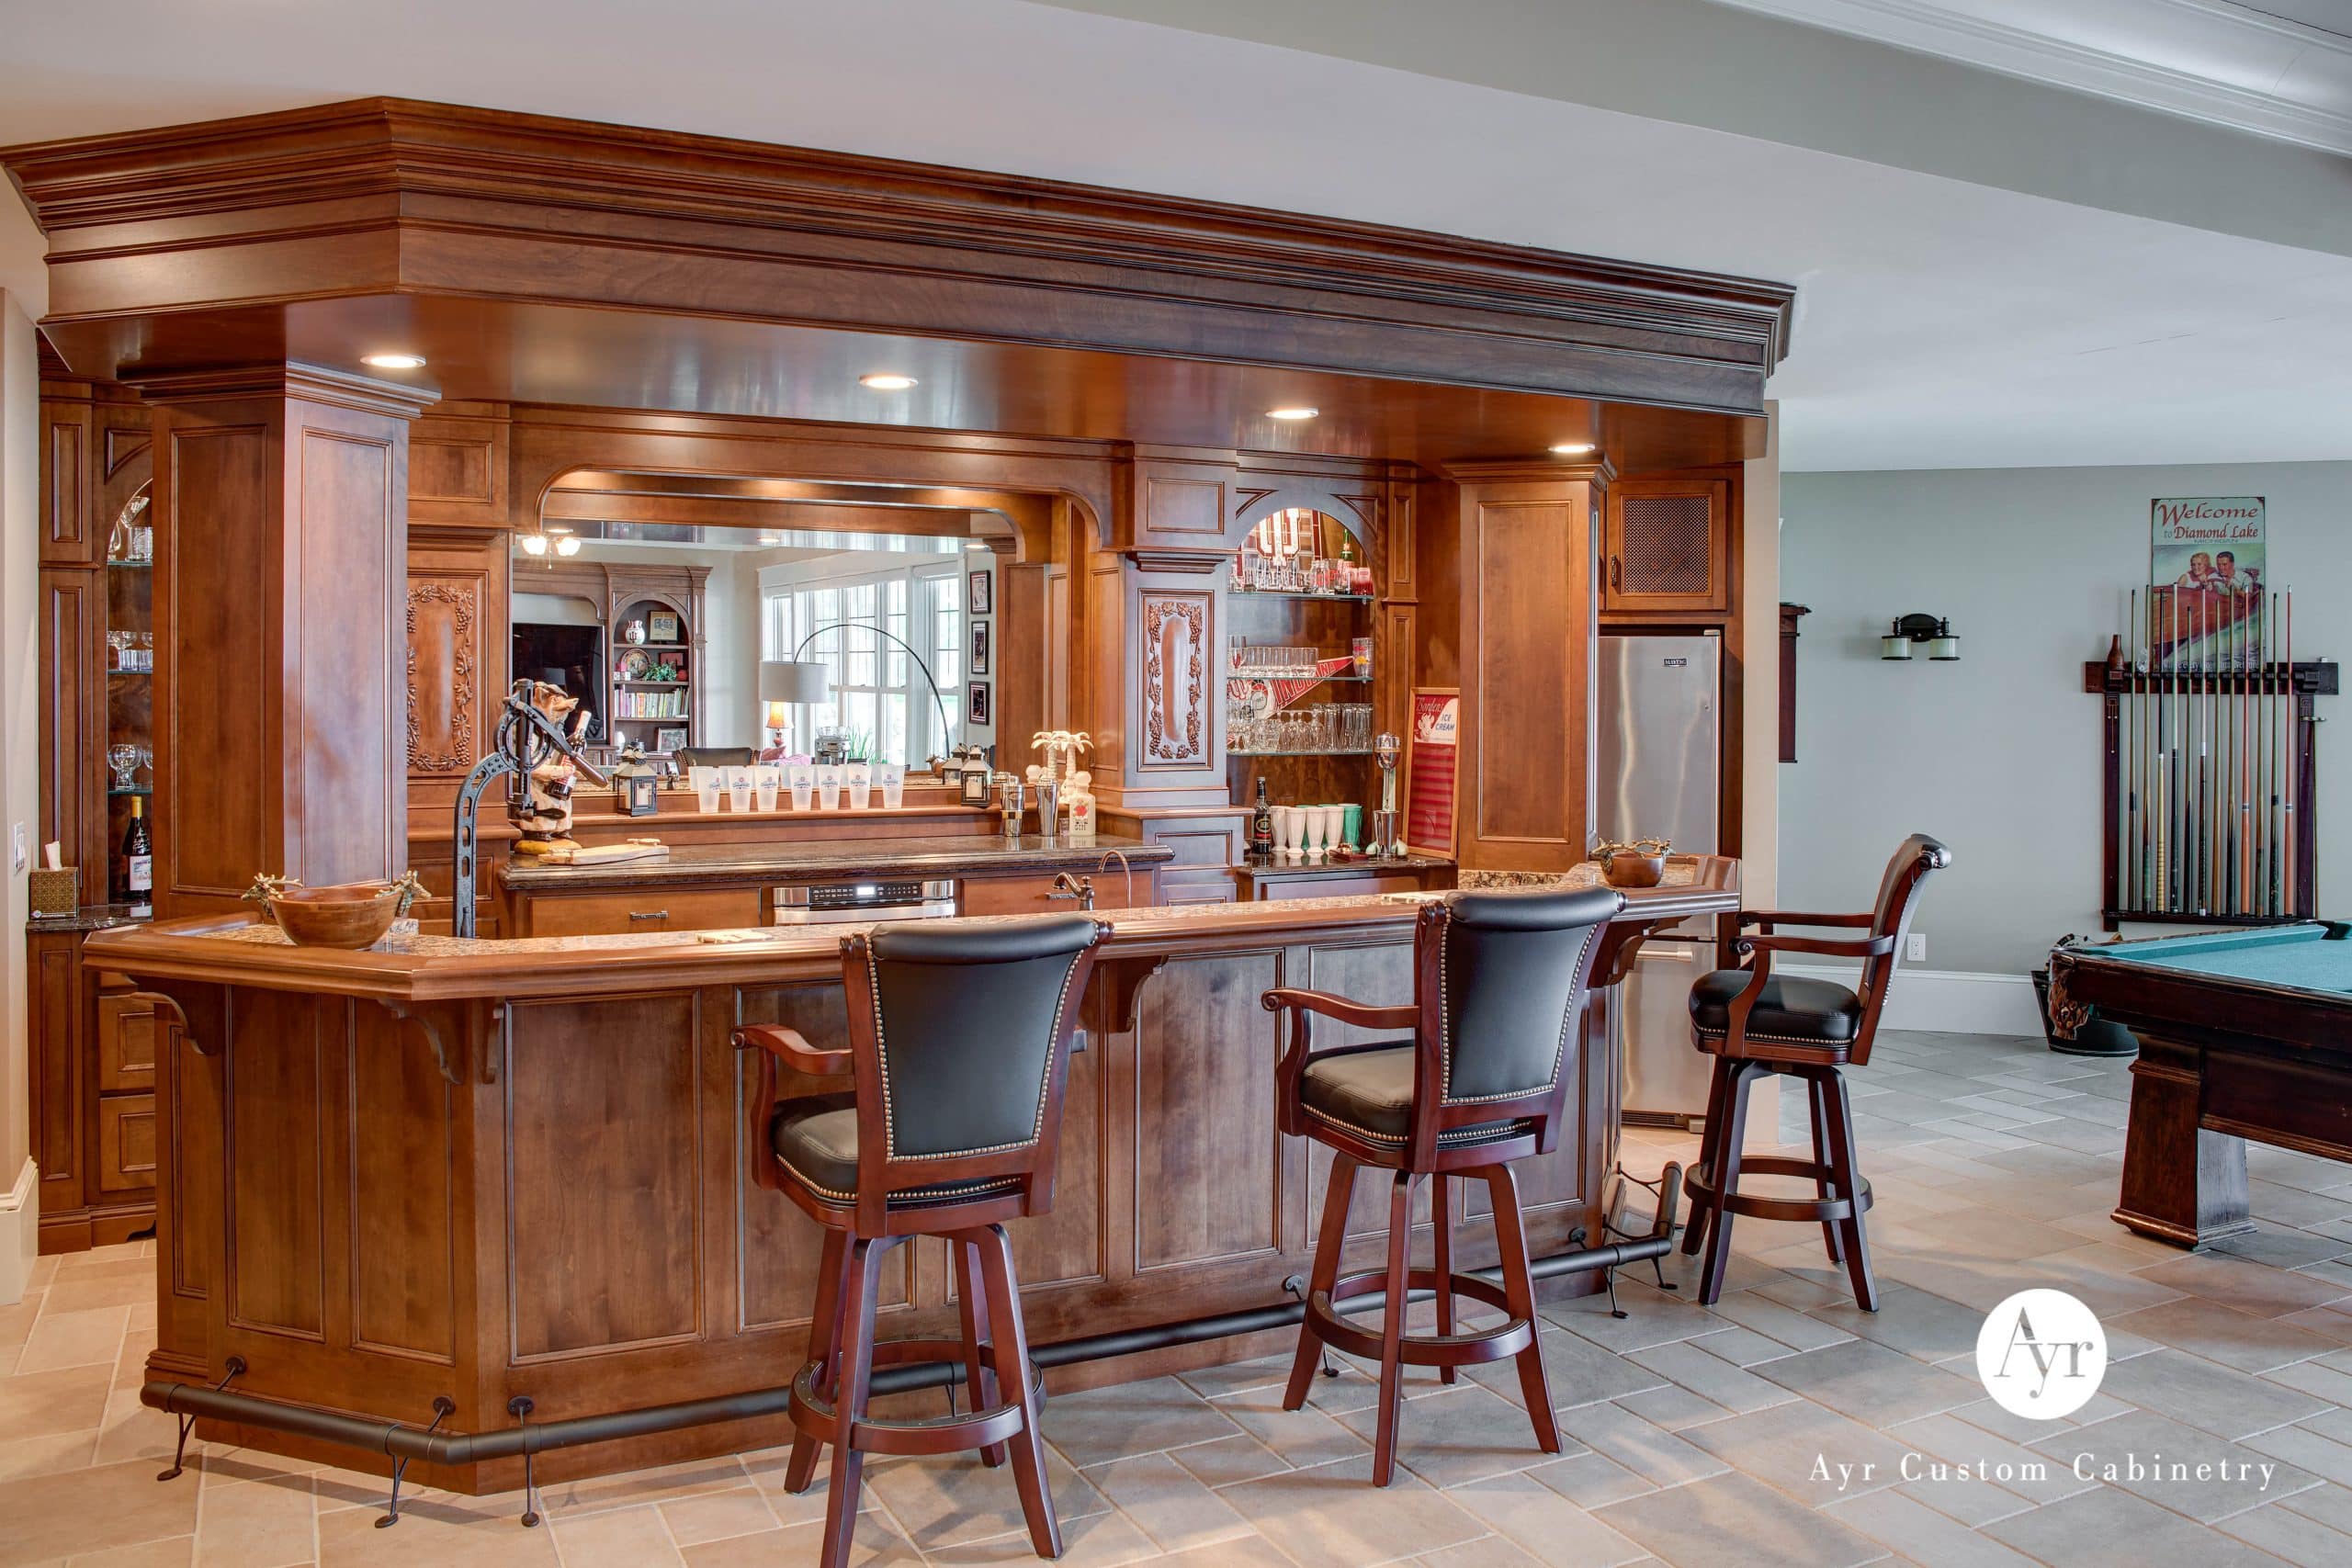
(887, 381)
(1572, 448)
(393, 361)
(1301, 411)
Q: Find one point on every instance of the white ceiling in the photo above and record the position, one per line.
(1943, 322)
(2282, 68)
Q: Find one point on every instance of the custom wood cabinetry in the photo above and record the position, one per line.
(93, 1104)
(1666, 548)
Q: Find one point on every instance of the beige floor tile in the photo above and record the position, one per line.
(955, 1498)
(1544, 1524)
(1228, 1460)
(1247, 1552)
(172, 1552)
(88, 1292)
(1871, 1383)
(2329, 1503)
(1656, 1455)
(1168, 1502)
(256, 1524)
(1590, 1479)
(1579, 1372)
(619, 1538)
(74, 1339)
(1126, 1419)
(2249, 1287)
(1672, 1407)
(47, 1455)
(2145, 1453)
(1955, 1457)
(1694, 1366)
(435, 1527)
(1301, 1439)
(1461, 1434)
(715, 1516)
(1769, 1318)
(2204, 1327)
(1213, 1383)
(2289, 1536)
(1813, 1454)
(2306, 1448)
(1920, 1533)
(876, 1543)
(1332, 1516)
(2107, 1528)
(1730, 1521)
(52, 1516)
(1912, 1321)
(40, 1405)
(1099, 1540)
(130, 1430)
(2210, 1397)
(1652, 1317)
(654, 1485)
(1487, 1551)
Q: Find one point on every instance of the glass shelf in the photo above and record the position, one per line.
(1318, 752)
(1232, 592)
(135, 789)
(129, 565)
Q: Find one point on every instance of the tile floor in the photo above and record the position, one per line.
(1693, 1435)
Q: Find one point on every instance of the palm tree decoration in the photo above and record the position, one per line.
(1061, 748)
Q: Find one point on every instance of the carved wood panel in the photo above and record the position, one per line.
(445, 660)
(1175, 695)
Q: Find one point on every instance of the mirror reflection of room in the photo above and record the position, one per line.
(716, 643)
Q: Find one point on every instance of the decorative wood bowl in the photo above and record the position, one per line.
(1627, 868)
(352, 915)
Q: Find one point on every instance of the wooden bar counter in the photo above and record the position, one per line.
(485, 1171)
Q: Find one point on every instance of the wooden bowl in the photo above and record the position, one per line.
(354, 915)
(1626, 869)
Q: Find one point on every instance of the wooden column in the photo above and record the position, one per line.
(281, 491)
(1530, 612)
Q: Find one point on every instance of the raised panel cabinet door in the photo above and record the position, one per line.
(68, 535)
(1668, 546)
(55, 1028)
(126, 1043)
(126, 1143)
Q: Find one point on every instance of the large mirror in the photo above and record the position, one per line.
(705, 622)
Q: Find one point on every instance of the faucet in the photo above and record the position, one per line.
(1082, 888)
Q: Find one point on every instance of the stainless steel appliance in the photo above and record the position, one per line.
(845, 903)
(1659, 760)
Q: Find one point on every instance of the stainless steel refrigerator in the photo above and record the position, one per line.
(1659, 762)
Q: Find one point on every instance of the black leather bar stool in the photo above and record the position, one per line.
(959, 1043)
(1499, 988)
(1753, 1023)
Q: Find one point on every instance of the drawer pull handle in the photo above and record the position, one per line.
(648, 914)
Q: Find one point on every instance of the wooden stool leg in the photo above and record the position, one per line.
(1339, 1190)
(1519, 1290)
(975, 1309)
(1442, 1260)
(824, 1342)
(1694, 1232)
(862, 1283)
(1822, 1186)
(1842, 1162)
(1726, 1171)
(1392, 1326)
(1012, 1353)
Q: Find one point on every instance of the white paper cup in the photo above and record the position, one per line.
(765, 783)
(803, 784)
(706, 786)
(857, 778)
(894, 784)
(829, 789)
(739, 788)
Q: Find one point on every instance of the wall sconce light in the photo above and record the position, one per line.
(1933, 630)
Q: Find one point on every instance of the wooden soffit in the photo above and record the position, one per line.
(313, 229)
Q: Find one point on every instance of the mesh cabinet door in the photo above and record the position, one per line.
(1668, 546)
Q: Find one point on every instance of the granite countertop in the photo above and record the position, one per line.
(970, 854)
(88, 918)
(1352, 866)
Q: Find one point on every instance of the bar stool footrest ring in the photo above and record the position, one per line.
(1495, 1343)
(816, 1415)
(1699, 1183)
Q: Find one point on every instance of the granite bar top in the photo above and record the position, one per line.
(88, 918)
(971, 855)
(1351, 866)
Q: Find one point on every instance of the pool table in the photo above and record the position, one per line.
(2244, 1033)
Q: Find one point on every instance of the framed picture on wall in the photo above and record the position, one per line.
(980, 593)
(661, 626)
(670, 739)
(980, 647)
(976, 701)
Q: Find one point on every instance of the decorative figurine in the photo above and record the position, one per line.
(542, 813)
(1061, 748)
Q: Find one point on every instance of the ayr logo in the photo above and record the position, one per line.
(2041, 1354)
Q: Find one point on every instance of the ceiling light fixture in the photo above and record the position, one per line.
(393, 361)
(534, 543)
(887, 381)
(567, 543)
(1572, 448)
(1299, 411)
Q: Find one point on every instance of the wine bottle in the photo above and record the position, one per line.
(1262, 829)
(137, 886)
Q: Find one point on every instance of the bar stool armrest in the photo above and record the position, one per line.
(791, 1048)
(1869, 947)
(1768, 918)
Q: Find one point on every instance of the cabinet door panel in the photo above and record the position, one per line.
(126, 1142)
(1668, 546)
(126, 1043)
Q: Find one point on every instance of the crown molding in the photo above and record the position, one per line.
(1928, 27)
(389, 196)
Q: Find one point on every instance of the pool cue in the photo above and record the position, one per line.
(2249, 644)
(2290, 860)
(2269, 764)
(2203, 698)
(2175, 885)
(2128, 894)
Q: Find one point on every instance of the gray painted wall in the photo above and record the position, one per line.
(1997, 754)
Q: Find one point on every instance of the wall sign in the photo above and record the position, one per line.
(2207, 577)
(1431, 752)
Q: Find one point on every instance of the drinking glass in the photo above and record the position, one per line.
(765, 782)
(1287, 830)
(859, 778)
(829, 789)
(894, 784)
(705, 781)
(1326, 826)
(739, 788)
(803, 779)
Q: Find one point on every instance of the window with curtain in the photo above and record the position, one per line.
(879, 697)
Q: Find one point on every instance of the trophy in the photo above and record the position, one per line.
(1385, 842)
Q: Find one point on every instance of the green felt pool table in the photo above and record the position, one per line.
(2244, 1033)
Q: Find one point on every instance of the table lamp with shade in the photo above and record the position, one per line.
(785, 680)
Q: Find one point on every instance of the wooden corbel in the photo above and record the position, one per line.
(453, 1067)
(179, 1019)
(1111, 996)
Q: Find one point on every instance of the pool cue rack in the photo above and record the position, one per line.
(2208, 778)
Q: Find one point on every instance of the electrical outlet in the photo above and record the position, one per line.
(21, 848)
(1915, 949)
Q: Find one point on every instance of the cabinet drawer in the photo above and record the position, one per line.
(126, 1142)
(651, 909)
(126, 1032)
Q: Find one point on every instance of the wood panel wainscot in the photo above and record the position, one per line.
(551, 1180)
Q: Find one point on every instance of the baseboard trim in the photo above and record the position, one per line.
(20, 1234)
(1945, 1001)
